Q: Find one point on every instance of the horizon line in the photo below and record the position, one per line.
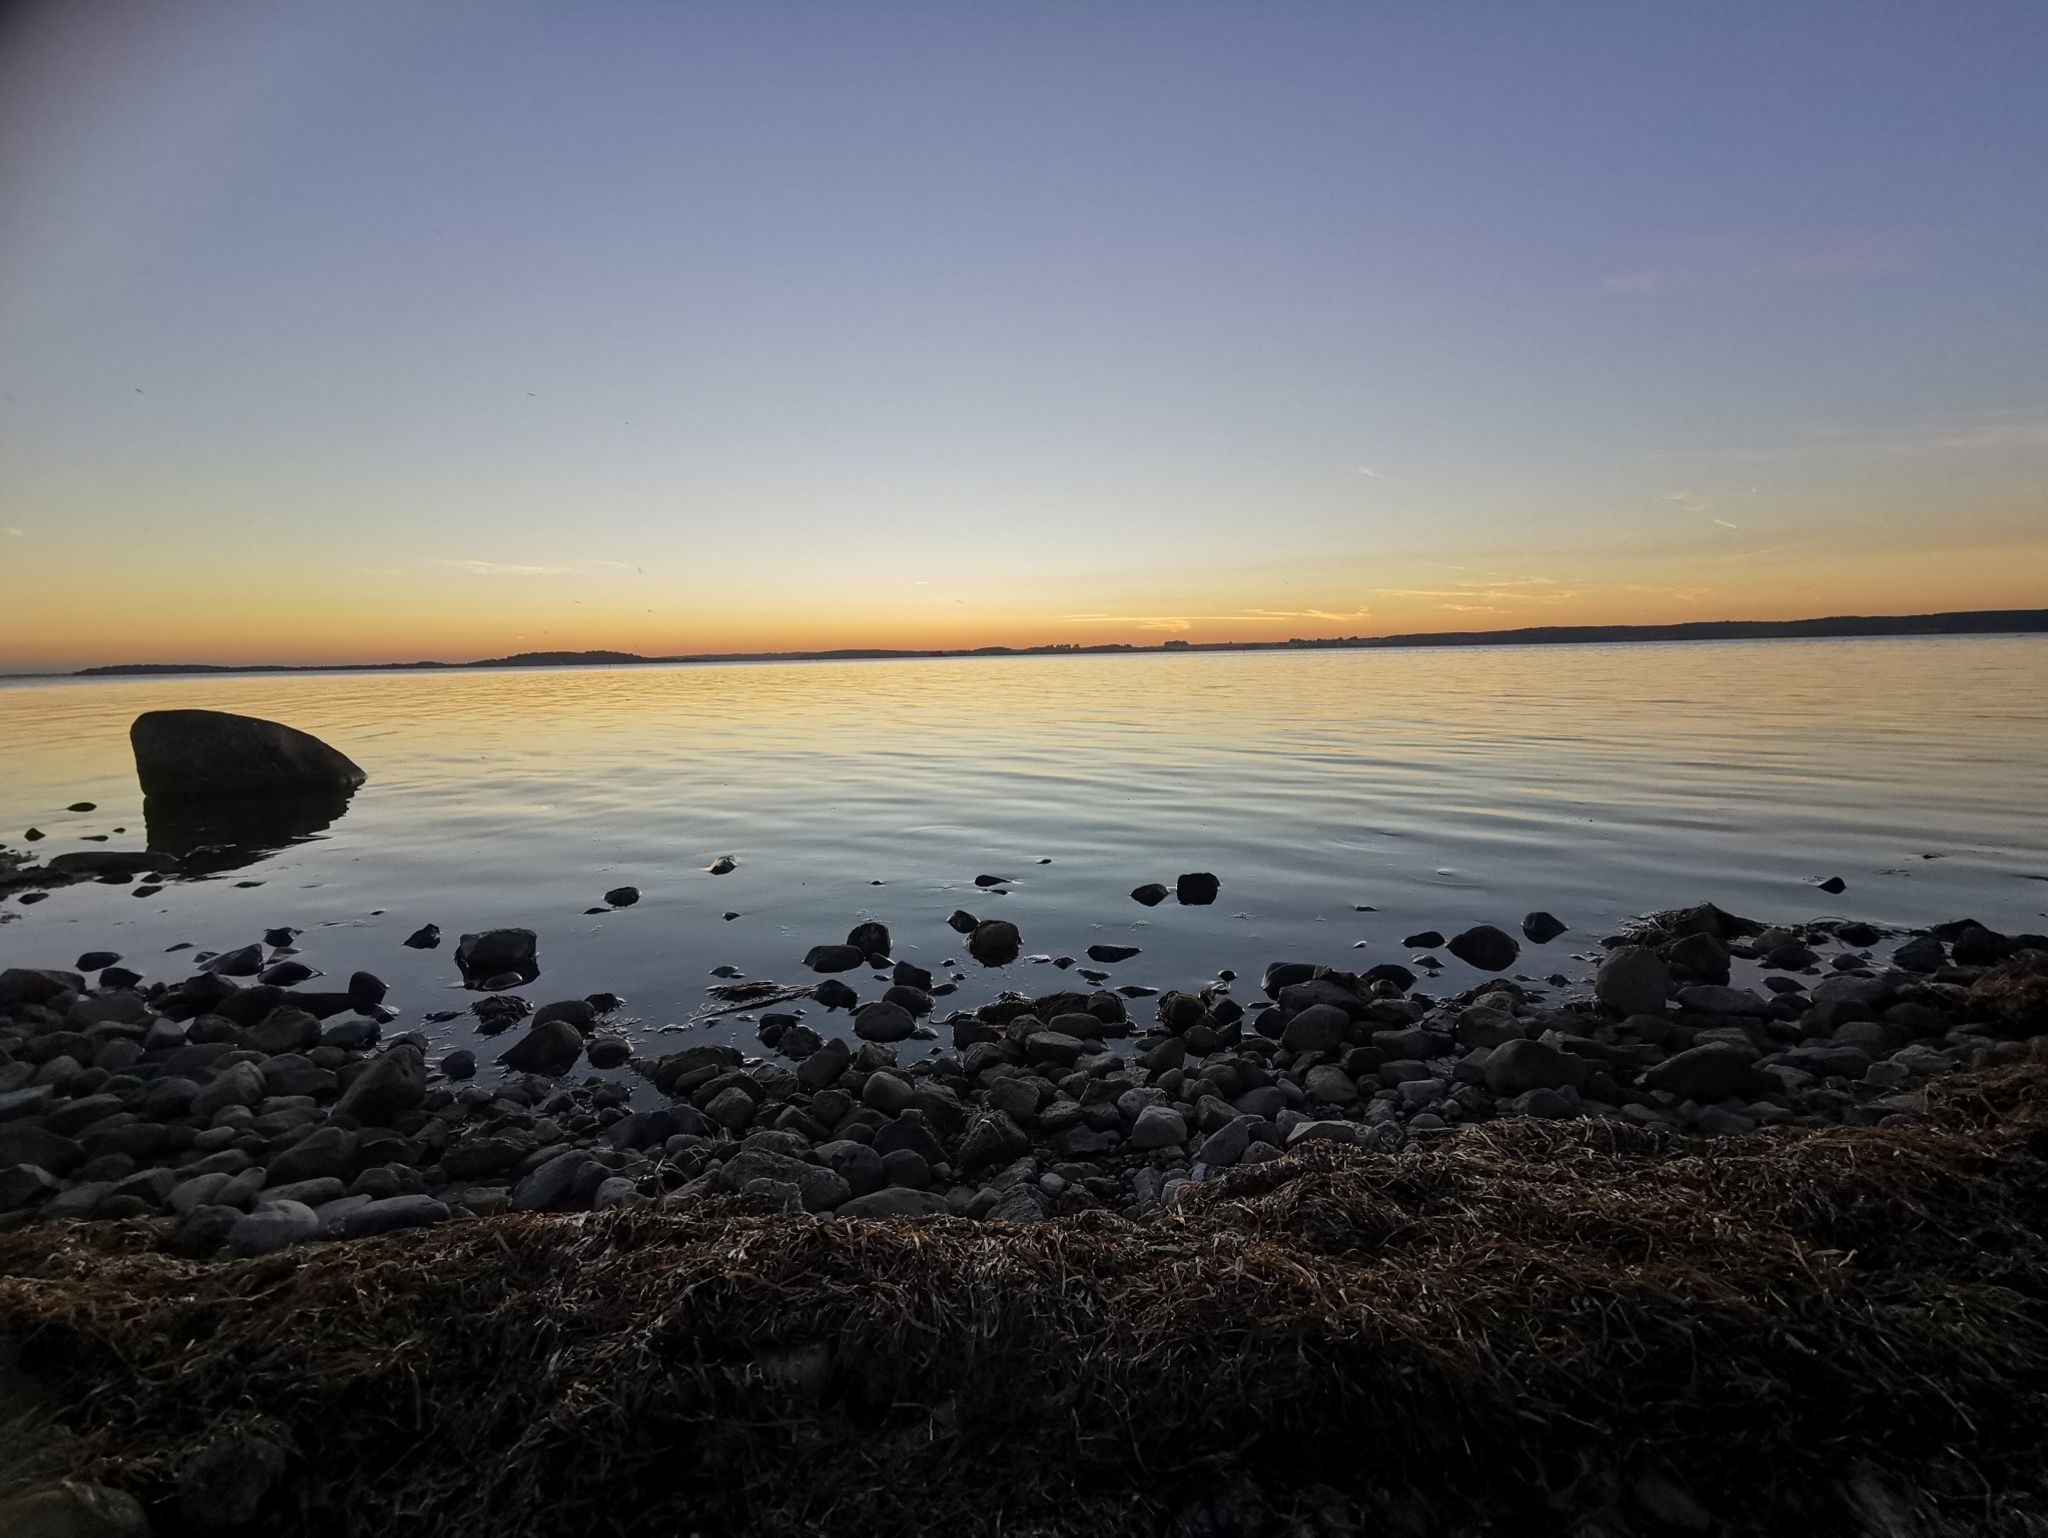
(1945, 622)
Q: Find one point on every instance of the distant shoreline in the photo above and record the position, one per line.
(1838, 627)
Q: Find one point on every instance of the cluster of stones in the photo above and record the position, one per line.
(251, 1115)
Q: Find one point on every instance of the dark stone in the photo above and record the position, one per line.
(97, 961)
(961, 921)
(1832, 885)
(1540, 928)
(622, 896)
(1152, 893)
(724, 865)
(387, 1088)
(995, 942)
(870, 938)
(366, 988)
(1485, 947)
(1108, 954)
(427, 937)
(834, 958)
(1197, 889)
(1425, 940)
(245, 962)
(551, 1046)
(206, 754)
(285, 974)
(496, 952)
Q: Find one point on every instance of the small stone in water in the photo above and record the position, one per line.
(622, 896)
(81, 806)
(724, 865)
(1833, 884)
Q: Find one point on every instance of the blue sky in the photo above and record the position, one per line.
(448, 329)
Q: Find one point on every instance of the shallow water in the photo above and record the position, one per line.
(1440, 787)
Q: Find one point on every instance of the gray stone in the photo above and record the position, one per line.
(1713, 1071)
(391, 1213)
(1516, 1067)
(237, 1084)
(1157, 1127)
(893, 1202)
(1318, 1028)
(1632, 980)
(271, 1226)
(1720, 999)
(819, 1189)
(393, 1083)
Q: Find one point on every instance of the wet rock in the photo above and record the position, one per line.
(1632, 980)
(960, 921)
(427, 937)
(834, 958)
(1109, 954)
(246, 961)
(608, 1050)
(189, 755)
(818, 1189)
(366, 989)
(29, 985)
(883, 1021)
(494, 953)
(870, 938)
(1540, 928)
(549, 1047)
(1424, 940)
(1485, 947)
(1196, 889)
(1832, 885)
(1922, 953)
(724, 865)
(995, 942)
(285, 974)
(1151, 894)
(622, 896)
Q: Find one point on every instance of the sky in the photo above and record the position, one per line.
(386, 331)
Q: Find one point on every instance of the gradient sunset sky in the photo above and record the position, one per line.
(377, 331)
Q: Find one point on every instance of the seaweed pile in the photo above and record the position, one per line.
(1530, 1326)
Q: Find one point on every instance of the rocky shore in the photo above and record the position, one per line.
(243, 1113)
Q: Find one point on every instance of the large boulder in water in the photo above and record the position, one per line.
(193, 755)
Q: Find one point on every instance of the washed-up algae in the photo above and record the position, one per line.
(1528, 1326)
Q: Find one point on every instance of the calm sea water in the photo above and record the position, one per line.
(1433, 788)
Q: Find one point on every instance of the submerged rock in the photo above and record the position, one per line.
(1197, 889)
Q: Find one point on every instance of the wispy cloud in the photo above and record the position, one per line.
(1492, 594)
(1724, 523)
(506, 569)
(2008, 431)
(13, 531)
(1693, 262)
(1180, 622)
